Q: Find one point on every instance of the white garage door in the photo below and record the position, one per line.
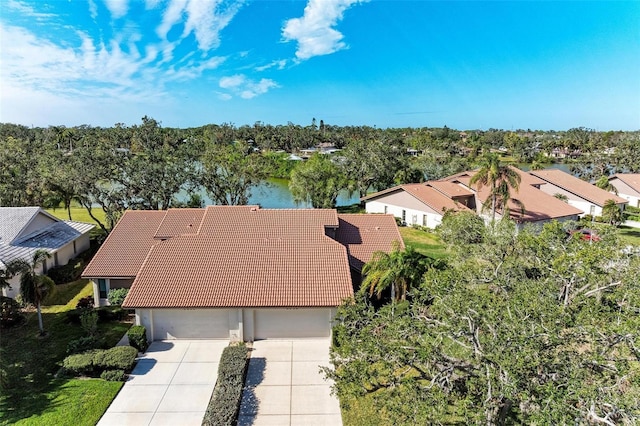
(292, 323)
(190, 324)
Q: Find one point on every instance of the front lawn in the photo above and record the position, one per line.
(629, 235)
(424, 242)
(34, 395)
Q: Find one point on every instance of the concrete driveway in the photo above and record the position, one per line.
(285, 387)
(171, 385)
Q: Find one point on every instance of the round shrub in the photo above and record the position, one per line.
(85, 303)
(117, 295)
(10, 313)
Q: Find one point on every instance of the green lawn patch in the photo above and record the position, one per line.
(629, 235)
(75, 402)
(33, 394)
(66, 294)
(352, 208)
(78, 214)
(424, 242)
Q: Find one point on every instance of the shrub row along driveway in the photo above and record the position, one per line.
(285, 387)
(171, 384)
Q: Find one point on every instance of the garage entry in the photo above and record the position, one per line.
(190, 324)
(292, 323)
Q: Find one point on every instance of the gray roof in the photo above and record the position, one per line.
(50, 237)
(13, 220)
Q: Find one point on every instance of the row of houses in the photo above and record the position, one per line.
(545, 194)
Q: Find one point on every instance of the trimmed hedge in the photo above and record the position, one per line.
(94, 363)
(138, 338)
(225, 401)
(113, 375)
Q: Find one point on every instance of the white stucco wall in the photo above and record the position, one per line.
(413, 216)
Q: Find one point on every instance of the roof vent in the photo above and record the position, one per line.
(254, 209)
(377, 228)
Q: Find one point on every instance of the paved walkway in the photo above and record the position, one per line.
(171, 385)
(285, 387)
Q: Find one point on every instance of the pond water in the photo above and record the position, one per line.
(275, 194)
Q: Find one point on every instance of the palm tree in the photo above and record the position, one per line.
(399, 270)
(611, 213)
(499, 178)
(33, 287)
(603, 183)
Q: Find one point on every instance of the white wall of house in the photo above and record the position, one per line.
(626, 192)
(110, 283)
(580, 203)
(415, 212)
(236, 324)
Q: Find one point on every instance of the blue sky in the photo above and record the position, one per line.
(468, 65)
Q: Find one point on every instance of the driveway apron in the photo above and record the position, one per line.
(284, 385)
(171, 385)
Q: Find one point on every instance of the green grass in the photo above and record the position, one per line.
(68, 294)
(424, 242)
(79, 214)
(629, 235)
(76, 402)
(34, 395)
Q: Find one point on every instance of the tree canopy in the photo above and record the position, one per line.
(528, 327)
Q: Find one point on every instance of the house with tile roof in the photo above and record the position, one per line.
(237, 272)
(425, 203)
(628, 187)
(418, 203)
(24, 230)
(581, 194)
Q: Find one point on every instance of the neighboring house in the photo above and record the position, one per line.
(421, 204)
(24, 230)
(587, 197)
(628, 187)
(238, 272)
(425, 203)
(539, 207)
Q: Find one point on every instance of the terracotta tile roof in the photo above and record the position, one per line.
(365, 234)
(179, 222)
(126, 247)
(577, 186)
(200, 271)
(538, 205)
(233, 222)
(449, 189)
(425, 194)
(240, 256)
(631, 179)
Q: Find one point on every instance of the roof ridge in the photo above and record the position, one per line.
(587, 196)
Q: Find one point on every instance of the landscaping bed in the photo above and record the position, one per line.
(31, 392)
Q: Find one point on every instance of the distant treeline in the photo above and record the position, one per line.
(146, 165)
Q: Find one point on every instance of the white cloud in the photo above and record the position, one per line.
(232, 81)
(204, 18)
(241, 86)
(259, 88)
(314, 31)
(93, 70)
(27, 10)
(118, 8)
(93, 9)
(224, 96)
(279, 64)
